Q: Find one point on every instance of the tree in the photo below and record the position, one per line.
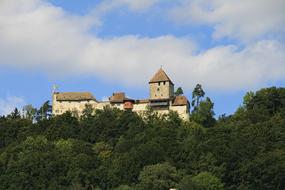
(197, 94)
(205, 181)
(88, 111)
(15, 114)
(268, 100)
(179, 91)
(158, 177)
(44, 112)
(29, 112)
(248, 98)
(123, 187)
(186, 183)
(119, 149)
(204, 113)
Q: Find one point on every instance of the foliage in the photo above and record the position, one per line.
(197, 94)
(202, 181)
(29, 112)
(204, 114)
(179, 91)
(158, 177)
(206, 181)
(114, 149)
(16, 114)
(44, 112)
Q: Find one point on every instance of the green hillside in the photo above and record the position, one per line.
(113, 149)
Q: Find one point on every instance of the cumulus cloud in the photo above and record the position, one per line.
(37, 35)
(243, 19)
(8, 104)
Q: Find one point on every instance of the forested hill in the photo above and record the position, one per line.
(113, 149)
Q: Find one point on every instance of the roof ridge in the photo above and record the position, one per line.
(75, 96)
(160, 76)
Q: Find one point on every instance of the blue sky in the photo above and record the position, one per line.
(230, 47)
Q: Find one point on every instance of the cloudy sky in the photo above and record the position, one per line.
(230, 47)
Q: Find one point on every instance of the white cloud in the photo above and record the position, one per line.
(8, 104)
(107, 6)
(138, 5)
(242, 19)
(37, 35)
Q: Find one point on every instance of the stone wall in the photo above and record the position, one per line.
(76, 107)
(161, 90)
(183, 111)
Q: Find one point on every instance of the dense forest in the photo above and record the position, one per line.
(120, 150)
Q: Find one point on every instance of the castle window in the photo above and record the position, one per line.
(157, 89)
(164, 83)
(158, 83)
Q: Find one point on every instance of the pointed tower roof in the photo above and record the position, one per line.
(160, 76)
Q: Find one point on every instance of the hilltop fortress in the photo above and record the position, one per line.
(162, 99)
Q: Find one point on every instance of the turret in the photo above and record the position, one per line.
(161, 87)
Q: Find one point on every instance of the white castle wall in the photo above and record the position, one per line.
(183, 111)
(159, 90)
(60, 107)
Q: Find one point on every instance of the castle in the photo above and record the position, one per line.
(162, 99)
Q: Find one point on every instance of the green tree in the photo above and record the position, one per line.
(187, 184)
(88, 111)
(112, 148)
(179, 91)
(158, 177)
(268, 100)
(197, 94)
(248, 98)
(206, 181)
(44, 112)
(29, 112)
(15, 114)
(123, 187)
(204, 113)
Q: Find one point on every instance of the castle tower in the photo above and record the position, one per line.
(161, 87)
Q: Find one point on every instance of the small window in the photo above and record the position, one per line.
(164, 83)
(157, 89)
(158, 83)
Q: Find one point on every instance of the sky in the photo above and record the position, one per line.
(230, 47)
